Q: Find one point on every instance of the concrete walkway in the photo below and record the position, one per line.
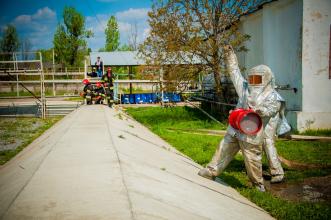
(98, 164)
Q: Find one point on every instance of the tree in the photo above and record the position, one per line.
(60, 43)
(47, 55)
(9, 42)
(193, 32)
(125, 47)
(133, 36)
(25, 47)
(112, 35)
(69, 39)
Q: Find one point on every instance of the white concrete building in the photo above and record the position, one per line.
(293, 38)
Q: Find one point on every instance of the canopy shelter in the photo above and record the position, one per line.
(131, 59)
(117, 58)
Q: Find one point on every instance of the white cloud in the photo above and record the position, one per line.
(38, 27)
(124, 19)
(97, 26)
(44, 13)
(22, 19)
(132, 14)
(124, 27)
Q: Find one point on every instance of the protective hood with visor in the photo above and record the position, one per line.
(260, 79)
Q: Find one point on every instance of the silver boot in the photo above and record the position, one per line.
(277, 179)
(206, 173)
(261, 188)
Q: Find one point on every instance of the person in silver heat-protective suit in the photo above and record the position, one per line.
(258, 93)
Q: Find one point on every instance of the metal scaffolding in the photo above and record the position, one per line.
(14, 65)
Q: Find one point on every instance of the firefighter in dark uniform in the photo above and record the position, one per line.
(100, 93)
(93, 73)
(88, 91)
(107, 80)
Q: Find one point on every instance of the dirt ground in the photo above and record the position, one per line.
(314, 189)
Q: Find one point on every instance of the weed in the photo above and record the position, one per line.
(121, 136)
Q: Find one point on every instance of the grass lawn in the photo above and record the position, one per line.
(48, 92)
(201, 147)
(17, 133)
(79, 98)
(314, 152)
(319, 132)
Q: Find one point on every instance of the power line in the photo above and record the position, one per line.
(93, 12)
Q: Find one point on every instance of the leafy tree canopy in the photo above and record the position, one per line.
(112, 35)
(191, 32)
(125, 47)
(69, 40)
(9, 41)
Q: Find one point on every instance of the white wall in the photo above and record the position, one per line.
(252, 25)
(315, 68)
(282, 40)
(276, 41)
(293, 38)
(316, 106)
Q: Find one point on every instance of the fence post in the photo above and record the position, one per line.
(17, 87)
(161, 84)
(16, 70)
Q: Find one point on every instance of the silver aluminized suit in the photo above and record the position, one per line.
(268, 104)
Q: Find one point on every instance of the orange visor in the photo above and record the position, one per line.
(255, 79)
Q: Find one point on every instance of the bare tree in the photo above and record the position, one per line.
(193, 32)
(26, 46)
(133, 36)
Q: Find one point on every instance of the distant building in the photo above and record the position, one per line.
(293, 38)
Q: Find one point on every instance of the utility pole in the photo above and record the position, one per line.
(54, 92)
(42, 88)
(130, 77)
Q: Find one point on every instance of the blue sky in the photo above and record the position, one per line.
(37, 19)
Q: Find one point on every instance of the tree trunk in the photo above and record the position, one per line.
(218, 86)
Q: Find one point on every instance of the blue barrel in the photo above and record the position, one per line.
(131, 98)
(147, 98)
(151, 99)
(138, 99)
(166, 97)
(175, 97)
(154, 98)
(143, 98)
(125, 99)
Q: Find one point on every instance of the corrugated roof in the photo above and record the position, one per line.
(117, 58)
(130, 58)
